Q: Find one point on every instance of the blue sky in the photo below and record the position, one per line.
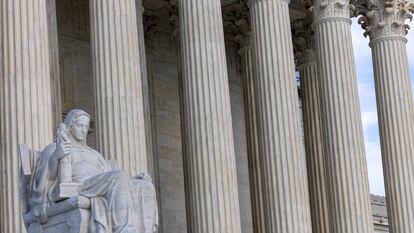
(366, 87)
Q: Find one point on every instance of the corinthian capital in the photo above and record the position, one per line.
(326, 9)
(386, 18)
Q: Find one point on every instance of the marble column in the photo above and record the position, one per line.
(146, 94)
(346, 167)
(385, 25)
(309, 85)
(54, 64)
(210, 167)
(120, 124)
(25, 96)
(285, 187)
(256, 192)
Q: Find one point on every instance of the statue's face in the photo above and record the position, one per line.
(79, 128)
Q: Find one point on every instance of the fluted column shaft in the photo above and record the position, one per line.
(54, 64)
(25, 96)
(145, 90)
(314, 141)
(210, 168)
(344, 151)
(119, 108)
(395, 110)
(255, 169)
(395, 115)
(285, 188)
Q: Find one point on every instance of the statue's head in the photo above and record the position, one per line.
(77, 124)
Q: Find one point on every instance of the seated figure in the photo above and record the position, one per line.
(70, 169)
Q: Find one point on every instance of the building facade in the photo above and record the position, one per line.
(203, 94)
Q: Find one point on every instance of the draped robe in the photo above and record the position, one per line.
(119, 203)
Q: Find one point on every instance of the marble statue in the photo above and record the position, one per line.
(68, 171)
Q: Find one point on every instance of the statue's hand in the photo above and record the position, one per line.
(143, 176)
(63, 149)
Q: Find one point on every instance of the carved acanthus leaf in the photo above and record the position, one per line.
(323, 9)
(386, 18)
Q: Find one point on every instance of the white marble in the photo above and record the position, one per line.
(386, 27)
(346, 168)
(255, 168)
(304, 41)
(210, 167)
(119, 105)
(25, 96)
(283, 171)
(54, 63)
(146, 95)
(110, 200)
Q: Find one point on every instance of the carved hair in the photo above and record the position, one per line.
(73, 115)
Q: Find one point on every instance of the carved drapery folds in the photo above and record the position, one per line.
(385, 18)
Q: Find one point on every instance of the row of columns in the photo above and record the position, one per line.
(336, 165)
(337, 168)
(384, 22)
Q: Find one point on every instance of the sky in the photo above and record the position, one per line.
(366, 88)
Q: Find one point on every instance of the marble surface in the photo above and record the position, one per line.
(96, 196)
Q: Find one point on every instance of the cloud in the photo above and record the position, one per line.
(369, 119)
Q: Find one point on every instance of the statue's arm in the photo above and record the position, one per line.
(62, 150)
